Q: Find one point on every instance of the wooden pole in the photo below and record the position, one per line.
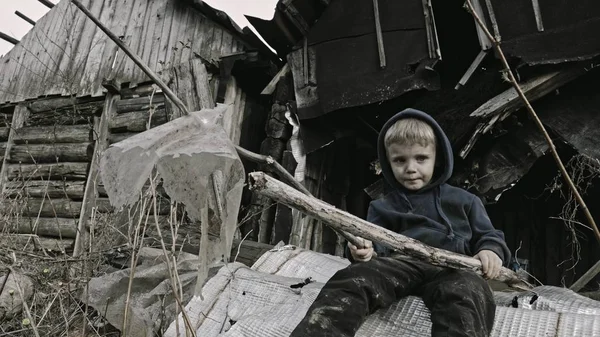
(586, 278)
(167, 91)
(47, 3)
(24, 17)
(537, 121)
(8, 38)
(379, 35)
(263, 184)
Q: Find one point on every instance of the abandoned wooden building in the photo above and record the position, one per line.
(348, 77)
(67, 92)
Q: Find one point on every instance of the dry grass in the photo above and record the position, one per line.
(59, 279)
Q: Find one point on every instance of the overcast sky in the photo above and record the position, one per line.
(16, 27)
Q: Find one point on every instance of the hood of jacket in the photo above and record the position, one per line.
(444, 155)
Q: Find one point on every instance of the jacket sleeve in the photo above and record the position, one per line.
(373, 216)
(485, 236)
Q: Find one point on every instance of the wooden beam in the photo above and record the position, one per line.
(68, 171)
(504, 104)
(24, 17)
(41, 188)
(18, 119)
(294, 16)
(270, 88)
(54, 227)
(465, 78)
(586, 278)
(8, 38)
(90, 195)
(379, 34)
(537, 11)
(261, 183)
(47, 3)
(53, 134)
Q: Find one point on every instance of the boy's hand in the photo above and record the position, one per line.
(490, 263)
(362, 255)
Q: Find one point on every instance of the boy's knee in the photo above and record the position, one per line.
(473, 284)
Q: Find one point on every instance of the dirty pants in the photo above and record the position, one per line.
(461, 302)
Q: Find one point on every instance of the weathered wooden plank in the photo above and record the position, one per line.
(109, 48)
(53, 227)
(202, 85)
(188, 36)
(146, 45)
(40, 188)
(137, 121)
(53, 134)
(70, 72)
(133, 73)
(122, 25)
(184, 38)
(165, 43)
(68, 171)
(91, 192)
(50, 153)
(155, 101)
(33, 207)
(173, 37)
(200, 27)
(35, 60)
(124, 72)
(19, 116)
(156, 36)
(93, 61)
(30, 242)
(215, 47)
(52, 52)
(88, 105)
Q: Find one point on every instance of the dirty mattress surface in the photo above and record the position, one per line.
(260, 301)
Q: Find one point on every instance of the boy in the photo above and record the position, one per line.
(416, 161)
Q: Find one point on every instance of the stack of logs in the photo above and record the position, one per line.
(47, 155)
(136, 112)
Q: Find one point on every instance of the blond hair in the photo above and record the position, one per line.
(410, 131)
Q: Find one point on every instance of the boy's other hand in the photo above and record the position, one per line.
(363, 254)
(490, 263)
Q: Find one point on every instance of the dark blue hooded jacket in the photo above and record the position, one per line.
(439, 215)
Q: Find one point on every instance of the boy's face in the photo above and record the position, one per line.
(412, 164)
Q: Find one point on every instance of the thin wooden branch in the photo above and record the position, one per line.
(379, 35)
(263, 184)
(8, 38)
(24, 17)
(586, 278)
(167, 91)
(537, 121)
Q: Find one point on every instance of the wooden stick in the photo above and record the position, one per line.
(263, 184)
(47, 3)
(24, 17)
(490, 8)
(379, 34)
(168, 92)
(586, 278)
(537, 121)
(8, 38)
